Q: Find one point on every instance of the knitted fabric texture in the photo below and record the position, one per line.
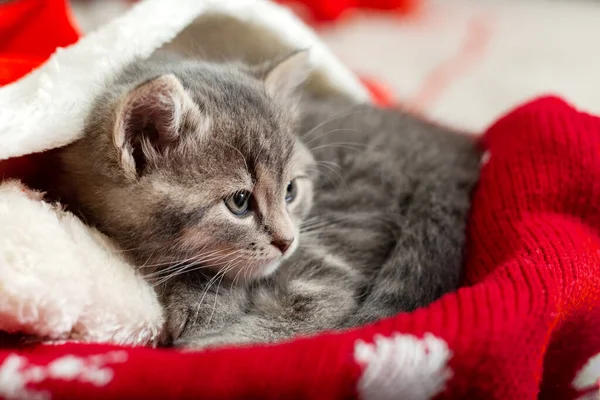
(526, 322)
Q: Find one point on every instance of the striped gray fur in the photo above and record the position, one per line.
(376, 225)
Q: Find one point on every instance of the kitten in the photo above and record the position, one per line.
(198, 172)
(386, 233)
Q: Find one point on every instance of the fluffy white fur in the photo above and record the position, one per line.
(58, 278)
(62, 280)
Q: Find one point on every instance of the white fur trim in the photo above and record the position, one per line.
(46, 109)
(403, 367)
(61, 279)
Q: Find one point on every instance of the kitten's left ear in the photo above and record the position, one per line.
(282, 78)
(149, 121)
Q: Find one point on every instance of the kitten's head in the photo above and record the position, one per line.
(197, 166)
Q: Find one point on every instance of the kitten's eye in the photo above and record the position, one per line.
(238, 202)
(291, 191)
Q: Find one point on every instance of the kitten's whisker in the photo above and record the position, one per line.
(316, 229)
(324, 219)
(246, 271)
(225, 271)
(344, 217)
(329, 163)
(188, 268)
(169, 263)
(161, 281)
(346, 145)
(312, 219)
(165, 275)
(227, 256)
(329, 132)
(320, 227)
(328, 221)
(232, 253)
(205, 292)
(315, 225)
(332, 169)
(148, 259)
(238, 273)
(201, 258)
(326, 176)
(331, 226)
(128, 249)
(178, 269)
(158, 280)
(208, 256)
(340, 115)
(215, 302)
(191, 267)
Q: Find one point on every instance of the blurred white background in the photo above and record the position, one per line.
(461, 62)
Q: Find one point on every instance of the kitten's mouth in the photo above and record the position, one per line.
(265, 268)
(240, 269)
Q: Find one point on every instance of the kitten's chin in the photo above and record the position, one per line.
(270, 268)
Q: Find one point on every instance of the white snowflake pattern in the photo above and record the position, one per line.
(485, 158)
(403, 367)
(587, 379)
(16, 373)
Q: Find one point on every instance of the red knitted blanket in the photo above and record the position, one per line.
(526, 323)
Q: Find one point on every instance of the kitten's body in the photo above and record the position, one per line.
(171, 143)
(402, 201)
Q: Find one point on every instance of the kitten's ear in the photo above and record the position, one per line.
(282, 78)
(148, 121)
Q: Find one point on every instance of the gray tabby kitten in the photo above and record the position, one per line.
(386, 232)
(197, 172)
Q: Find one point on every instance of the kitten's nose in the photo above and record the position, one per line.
(283, 244)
